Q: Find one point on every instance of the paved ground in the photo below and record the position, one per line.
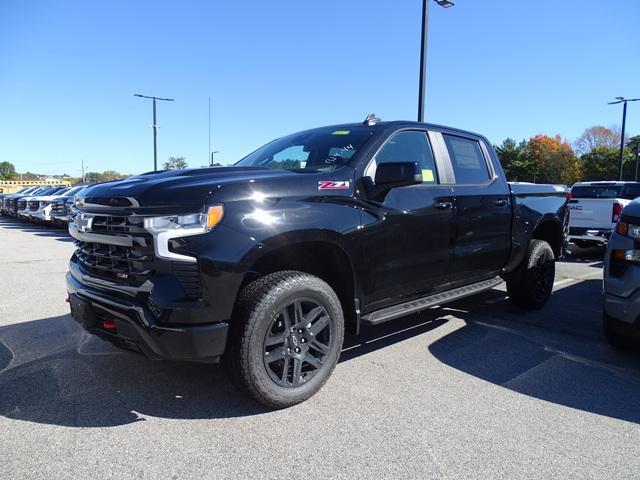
(474, 390)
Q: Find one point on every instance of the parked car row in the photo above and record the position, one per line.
(49, 204)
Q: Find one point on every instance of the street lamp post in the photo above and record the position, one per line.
(422, 90)
(212, 153)
(624, 121)
(154, 126)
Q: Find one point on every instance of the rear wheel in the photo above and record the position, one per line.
(531, 285)
(286, 338)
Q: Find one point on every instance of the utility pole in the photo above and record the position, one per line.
(209, 151)
(154, 126)
(624, 121)
(422, 89)
(82, 161)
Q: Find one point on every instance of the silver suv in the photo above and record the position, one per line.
(622, 280)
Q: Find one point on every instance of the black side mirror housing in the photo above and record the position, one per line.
(389, 175)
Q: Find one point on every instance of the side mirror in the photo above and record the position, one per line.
(389, 175)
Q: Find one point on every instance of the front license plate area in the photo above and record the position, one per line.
(81, 312)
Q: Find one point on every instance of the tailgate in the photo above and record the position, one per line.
(595, 213)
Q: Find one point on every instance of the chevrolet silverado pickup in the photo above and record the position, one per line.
(265, 264)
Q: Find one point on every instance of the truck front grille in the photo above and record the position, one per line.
(123, 264)
(131, 265)
(21, 204)
(59, 208)
(33, 205)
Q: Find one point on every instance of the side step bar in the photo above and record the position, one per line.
(396, 311)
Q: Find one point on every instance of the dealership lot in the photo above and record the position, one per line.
(475, 389)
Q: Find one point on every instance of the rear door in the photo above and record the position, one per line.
(482, 235)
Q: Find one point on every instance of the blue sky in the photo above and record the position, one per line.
(68, 71)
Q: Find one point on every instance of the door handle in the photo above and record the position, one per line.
(500, 203)
(443, 205)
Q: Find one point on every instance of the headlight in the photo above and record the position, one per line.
(190, 224)
(164, 229)
(628, 230)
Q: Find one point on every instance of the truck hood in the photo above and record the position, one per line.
(46, 198)
(186, 187)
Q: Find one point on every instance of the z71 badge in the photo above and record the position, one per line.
(328, 185)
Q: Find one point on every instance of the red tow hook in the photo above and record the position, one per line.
(109, 325)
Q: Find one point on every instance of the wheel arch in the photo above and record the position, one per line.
(318, 253)
(551, 231)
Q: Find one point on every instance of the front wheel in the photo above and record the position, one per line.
(531, 285)
(285, 339)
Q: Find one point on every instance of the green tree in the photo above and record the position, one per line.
(29, 176)
(7, 171)
(175, 163)
(515, 160)
(601, 163)
(629, 164)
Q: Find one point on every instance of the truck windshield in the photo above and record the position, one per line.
(628, 192)
(318, 150)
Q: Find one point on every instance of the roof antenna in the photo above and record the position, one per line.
(371, 119)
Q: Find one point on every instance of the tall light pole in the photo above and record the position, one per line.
(422, 91)
(624, 121)
(154, 126)
(212, 153)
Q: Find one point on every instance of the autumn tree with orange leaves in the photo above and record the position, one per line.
(553, 160)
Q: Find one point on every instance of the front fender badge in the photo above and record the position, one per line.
(329, 185)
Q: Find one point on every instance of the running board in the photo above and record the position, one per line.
(396, 311)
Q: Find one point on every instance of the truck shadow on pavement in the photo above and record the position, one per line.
(51, 372)
(56, 232)
(557, 354)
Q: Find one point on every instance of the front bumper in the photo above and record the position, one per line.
(43, 214)
(129, 324)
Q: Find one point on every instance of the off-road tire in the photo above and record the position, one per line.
(531, 285)
(259, 305)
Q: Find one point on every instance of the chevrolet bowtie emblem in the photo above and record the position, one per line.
(84, 224)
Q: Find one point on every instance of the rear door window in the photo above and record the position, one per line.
(467, 160)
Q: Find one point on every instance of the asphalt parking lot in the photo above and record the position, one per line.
(477, 389)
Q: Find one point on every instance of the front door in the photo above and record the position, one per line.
(408, 232)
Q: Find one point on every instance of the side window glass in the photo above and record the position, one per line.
(410, 146)
(469, 165)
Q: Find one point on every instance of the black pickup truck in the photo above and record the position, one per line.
(266, 264)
